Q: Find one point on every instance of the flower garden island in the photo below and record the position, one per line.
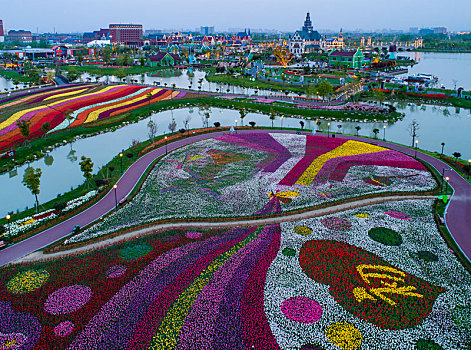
(272, 241)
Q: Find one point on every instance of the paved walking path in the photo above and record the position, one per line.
(458, 216)
(39, 255)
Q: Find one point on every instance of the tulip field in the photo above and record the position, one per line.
(235, 174)
(371, 277)
(72, 106)
(360, 279)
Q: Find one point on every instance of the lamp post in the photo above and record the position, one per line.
(166, 150)
(416, 143)
(281, 120)
(446, 184)
(9, 231)
(384, 132)
(328, 129)
(121, 157)
(443, 177)
(115, 196)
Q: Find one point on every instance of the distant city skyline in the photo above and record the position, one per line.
(361, 15)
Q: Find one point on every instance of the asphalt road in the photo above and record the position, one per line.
(458, 214)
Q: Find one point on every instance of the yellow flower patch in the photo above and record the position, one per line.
(27, 281)
(349, 148)
(344, 335)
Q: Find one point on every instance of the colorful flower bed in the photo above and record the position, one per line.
(23, 225)
(87, 102)
(372, 296)
(232, 175)
(300, 285)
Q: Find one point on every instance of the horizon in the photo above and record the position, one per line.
(55, 16)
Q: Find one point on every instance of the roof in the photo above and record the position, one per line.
(160, 56)
(312, 36)
(343, 53)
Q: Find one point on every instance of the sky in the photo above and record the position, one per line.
(89, 15)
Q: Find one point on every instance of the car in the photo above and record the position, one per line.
(76, 229)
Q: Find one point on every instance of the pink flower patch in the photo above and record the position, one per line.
(67, 300)
(302, 309)
(116, 271)
(397, 215)
(63, 329)
(337, 224)
(193, 234)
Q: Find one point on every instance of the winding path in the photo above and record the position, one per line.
(458, 214)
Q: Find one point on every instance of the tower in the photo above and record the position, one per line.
(308, 24)
(340, 35)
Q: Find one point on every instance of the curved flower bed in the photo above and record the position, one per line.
(51, 107)
(251, 288)
(233, 175)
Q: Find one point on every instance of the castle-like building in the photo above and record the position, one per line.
(308, 40)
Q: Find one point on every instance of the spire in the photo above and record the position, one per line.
(308, 24)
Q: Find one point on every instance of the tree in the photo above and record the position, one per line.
(217, 124)
(152, 126)
(50, 76)
(339, 126)
(443, 146)
(86, 166)
(302, 124)
(120, 74)
(207, 115)
(172, 126)
(456, 155)
(59, 207)
(32, 180)
(310, 92)
(376, 131)
(252, 124)
(413, 130)
(73, 74)
(272, 116)
(357, 128)
(106, 54)
(45, 127)
(23, 126)
(186, 122)
(325, 89)
(379, 95)
(242, 113)
(111, 169)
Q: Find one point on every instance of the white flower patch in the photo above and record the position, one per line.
(286, 279)
(28, 223)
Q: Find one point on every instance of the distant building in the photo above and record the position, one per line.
(414, 30)
(440, 30)
(163, 59)
(2, 34)
(102, 34)
(127, 34)
(207, 30)
(349, 59)
(308, 40)
(23, 36)
(425, 31)
(305, 40)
